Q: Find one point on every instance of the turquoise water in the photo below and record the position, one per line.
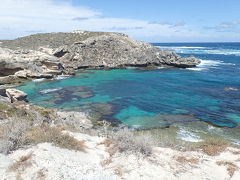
(154, 98)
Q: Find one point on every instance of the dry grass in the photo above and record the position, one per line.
(213, 147)
(29, 124)
(55, 136)
(184, 160)
(231, 168)
(107, 142)
(119, 171)
(112, 150)
(22, 163)
(106, 162)
(236, 152)
(41, 174)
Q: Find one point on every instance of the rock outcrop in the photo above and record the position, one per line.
(16, 95)
(47, 55)
(117, 50)
(28, 63)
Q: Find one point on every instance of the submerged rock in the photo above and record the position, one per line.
(158, 121)
(66, 94)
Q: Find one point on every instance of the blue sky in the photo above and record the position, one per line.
(147, 20)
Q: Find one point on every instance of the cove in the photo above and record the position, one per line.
(142, 99)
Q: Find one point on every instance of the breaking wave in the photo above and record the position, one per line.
(201, 50)
(207, 64)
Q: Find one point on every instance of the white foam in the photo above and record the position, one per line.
(45, 91)
(39, 80)
(197, 69)
(224, 52)
(201, 50)
(188, 136)
(60, 77)
(206, 64)
(180, 47)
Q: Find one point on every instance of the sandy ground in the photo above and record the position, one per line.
(47, 162)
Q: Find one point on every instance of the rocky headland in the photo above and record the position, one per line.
(51, 54)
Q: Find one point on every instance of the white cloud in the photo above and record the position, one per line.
(231, 26)
(24, 17)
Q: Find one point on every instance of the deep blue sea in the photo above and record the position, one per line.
(154, 98)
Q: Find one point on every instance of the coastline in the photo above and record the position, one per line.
(38, 143)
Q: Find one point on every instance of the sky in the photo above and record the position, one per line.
(146, 20)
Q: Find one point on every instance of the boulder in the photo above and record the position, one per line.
(16, 95)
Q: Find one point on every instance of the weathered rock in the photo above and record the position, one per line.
(29, 74)
(75, 119)
(10, 80)
(30, 63)
(16, 95)
(56, 53)
(116, 50)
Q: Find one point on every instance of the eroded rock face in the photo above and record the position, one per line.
(75, 119)
(28, 63)
(47, 55)
(116, 50)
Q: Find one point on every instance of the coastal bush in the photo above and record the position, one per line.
(12, 135)
(54, 135)
(21, 164)
(129, 142)
(186, 160)
(213, 146)
(23, 125)
(231, 168)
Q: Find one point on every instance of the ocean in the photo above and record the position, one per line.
(159, 98)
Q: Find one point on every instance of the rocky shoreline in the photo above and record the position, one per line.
(52, 54)
(39, 143)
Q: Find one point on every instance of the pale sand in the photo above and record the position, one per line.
(53, 163)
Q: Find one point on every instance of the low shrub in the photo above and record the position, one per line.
(231, 168)
(129, 142)
(13, 135)
(54, 135)
(213, 147)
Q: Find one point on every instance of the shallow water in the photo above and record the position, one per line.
(155, 98)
